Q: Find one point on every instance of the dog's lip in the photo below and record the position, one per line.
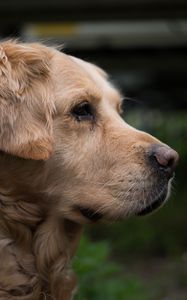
(90, 214)
(154, 205)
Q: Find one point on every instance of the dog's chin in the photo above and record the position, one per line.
(88, 214)
(158, 201)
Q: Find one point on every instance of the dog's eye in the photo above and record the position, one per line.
(83, 112)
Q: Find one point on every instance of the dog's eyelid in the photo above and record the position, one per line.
(83, 111)
(79, 103)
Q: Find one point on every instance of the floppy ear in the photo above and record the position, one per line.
(26, 104)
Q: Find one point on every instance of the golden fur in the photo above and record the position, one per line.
(51, 165)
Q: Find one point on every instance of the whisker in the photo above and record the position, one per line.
(132, 100)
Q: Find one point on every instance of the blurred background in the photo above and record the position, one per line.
(143, 46)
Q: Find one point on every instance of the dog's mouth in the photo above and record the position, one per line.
(154, 205)
(90, 214)
(93, 215)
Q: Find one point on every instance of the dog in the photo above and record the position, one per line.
(67, 158)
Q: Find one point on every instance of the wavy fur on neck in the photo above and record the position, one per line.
(35, 251)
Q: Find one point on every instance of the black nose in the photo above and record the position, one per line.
(164, 158)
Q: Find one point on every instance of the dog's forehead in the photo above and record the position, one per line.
(100, 81)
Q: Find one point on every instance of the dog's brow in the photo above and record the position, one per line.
(88, 94)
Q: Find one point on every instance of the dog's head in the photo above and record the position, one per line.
(63, 111)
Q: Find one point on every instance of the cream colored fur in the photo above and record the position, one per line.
(51, 165)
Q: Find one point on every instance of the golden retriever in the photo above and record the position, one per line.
(67, 158)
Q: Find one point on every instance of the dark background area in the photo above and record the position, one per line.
(144, 64)
(142, 44)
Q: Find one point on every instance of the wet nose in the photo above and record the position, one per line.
(164, 158)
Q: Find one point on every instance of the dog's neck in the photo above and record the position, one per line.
(43, 244)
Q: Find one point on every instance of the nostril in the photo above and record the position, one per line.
(161, 159)
(171, 162)
(165, 157)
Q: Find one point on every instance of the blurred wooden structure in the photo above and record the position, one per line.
(155, 73)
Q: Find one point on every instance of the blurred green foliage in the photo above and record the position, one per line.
(142, 258)
(101, 278)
